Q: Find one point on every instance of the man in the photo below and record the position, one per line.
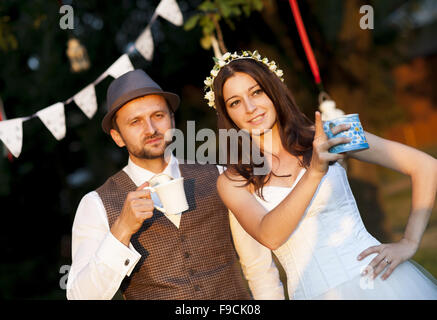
(121, 242)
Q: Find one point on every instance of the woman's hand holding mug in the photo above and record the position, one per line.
(321, 145)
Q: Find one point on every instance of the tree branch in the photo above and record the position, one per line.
(219, 35)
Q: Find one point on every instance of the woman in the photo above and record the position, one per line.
(303, 208)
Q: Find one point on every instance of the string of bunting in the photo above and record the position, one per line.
(53, 117)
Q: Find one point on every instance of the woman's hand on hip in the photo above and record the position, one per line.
(390, 255)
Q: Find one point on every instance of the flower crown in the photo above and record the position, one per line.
(226, 59)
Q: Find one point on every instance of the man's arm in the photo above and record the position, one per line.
(100, 261)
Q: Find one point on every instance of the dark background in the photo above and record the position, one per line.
(387, 75)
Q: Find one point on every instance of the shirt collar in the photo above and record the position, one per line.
(140, 175)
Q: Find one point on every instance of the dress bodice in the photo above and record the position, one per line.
(322, 252)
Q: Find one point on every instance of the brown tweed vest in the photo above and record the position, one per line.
(196, 261)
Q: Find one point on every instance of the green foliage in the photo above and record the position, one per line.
(213, 11)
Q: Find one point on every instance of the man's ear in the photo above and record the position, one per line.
(117, 138)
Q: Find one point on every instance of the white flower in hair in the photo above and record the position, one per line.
(208, 82)
(210, 96)
(226, 59)
(226, 56)
(214, 73)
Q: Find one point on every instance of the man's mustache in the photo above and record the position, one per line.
(153, 136)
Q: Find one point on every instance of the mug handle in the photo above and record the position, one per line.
(156, 206)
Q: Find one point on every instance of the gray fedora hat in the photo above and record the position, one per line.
(129, 86)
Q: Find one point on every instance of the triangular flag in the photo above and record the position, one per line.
(120, 67)
(3, 118)
(144, 44)
(11, 133)
(87, 101)
(54, 119)
(117, 69)
(169, 10)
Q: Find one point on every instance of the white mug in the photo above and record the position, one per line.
(172, 196)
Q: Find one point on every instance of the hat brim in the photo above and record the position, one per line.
(172, 99)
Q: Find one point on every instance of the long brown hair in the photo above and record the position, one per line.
(294, 126)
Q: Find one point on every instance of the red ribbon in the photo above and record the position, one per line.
(305, 42)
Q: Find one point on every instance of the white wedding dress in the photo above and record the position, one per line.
(320, 256)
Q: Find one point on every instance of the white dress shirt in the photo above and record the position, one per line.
(100, 262)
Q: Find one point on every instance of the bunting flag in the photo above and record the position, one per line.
(120, 67)
(11, 134)
(117, 69)
(6, 152)
(144, 44)
(169, 10)
(54, 119)
(86, 100)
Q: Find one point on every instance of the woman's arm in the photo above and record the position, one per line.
(422, 169)
(273, 228)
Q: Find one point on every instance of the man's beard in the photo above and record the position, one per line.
(143, 153)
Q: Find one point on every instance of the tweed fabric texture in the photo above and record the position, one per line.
(195, 262)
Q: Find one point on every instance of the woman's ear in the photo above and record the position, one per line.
(117, 138)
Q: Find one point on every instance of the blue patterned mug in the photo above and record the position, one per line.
(355, 132)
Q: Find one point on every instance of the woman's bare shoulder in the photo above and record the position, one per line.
(232, 183)
(230, 178)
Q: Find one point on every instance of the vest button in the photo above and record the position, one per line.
(186, 255)
(191, 272)
(183, 238)
(196, 288)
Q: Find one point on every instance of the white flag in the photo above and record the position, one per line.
(117, 69)
(11, 133)
(144, 44)
(120, 67)
(87, 101)
(54, 119)
(169, 10)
